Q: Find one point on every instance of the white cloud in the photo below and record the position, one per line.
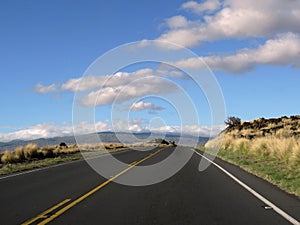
(39, 88)
(282, 50)
(140, 106)
(135, 125)
(87, 128)
(43, 130)
(84, 83)
(236, 19)
(94, 82)
(186, 37)
(203, 131)
(122, 86)
(148, 85)
(118, 79)
(209, 5)
(176, 22)
(48, 130)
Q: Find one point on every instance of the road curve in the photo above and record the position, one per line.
(74, 194)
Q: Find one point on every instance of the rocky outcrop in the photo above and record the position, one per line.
(283, 126)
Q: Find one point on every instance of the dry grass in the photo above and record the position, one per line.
(30, 156)
(295, 156)
(28, 165)
(32, 152)
(91, 147)
(7, 157)
(113, 145)
(101, 146)
(282, 149)
(273, 155)
(19, 153)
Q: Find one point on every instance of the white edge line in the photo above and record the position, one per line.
(53, 166)
(257, 195)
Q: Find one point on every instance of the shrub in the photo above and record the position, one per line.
(8, 157)
(233, 121)
(63, 144)
(31, 151)
(56, 151)
(47, 152)
(19, 153)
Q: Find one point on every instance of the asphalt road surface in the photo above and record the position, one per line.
(73, 193)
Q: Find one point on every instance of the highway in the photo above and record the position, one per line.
(73, 193)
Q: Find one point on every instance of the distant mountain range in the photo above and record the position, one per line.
(105, 137)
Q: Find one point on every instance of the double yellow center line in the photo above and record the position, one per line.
(44, 217)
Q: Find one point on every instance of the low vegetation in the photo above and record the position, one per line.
(269, 148)
(31, 156)
(31, 152)
(33, 164)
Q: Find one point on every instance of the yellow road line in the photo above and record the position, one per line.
(133, 163)
(43, 214)
(78, 200)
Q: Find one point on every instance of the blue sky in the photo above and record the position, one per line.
(253, 52)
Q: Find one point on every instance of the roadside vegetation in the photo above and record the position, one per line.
(269, 148)
(31, 156)
(31, 152)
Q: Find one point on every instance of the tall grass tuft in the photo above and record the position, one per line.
(31, 151)
(8, 157)
(295, 156)
(47, 151)
(19, 153)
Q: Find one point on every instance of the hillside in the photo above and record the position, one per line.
(269, 148)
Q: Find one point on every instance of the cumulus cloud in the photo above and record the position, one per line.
(122, 86)
(84, 83)
(140, 106)
(134, 125)
(148, 85)
(177, 22)
(204, 131)
(235, 19)
(94, 82)
(87, 128)
(195, 7)
(43, 130)
(118, 79)
(39, 88)
(282, 50)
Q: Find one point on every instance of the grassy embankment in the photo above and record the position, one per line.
(31, 156)
(268, 148)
